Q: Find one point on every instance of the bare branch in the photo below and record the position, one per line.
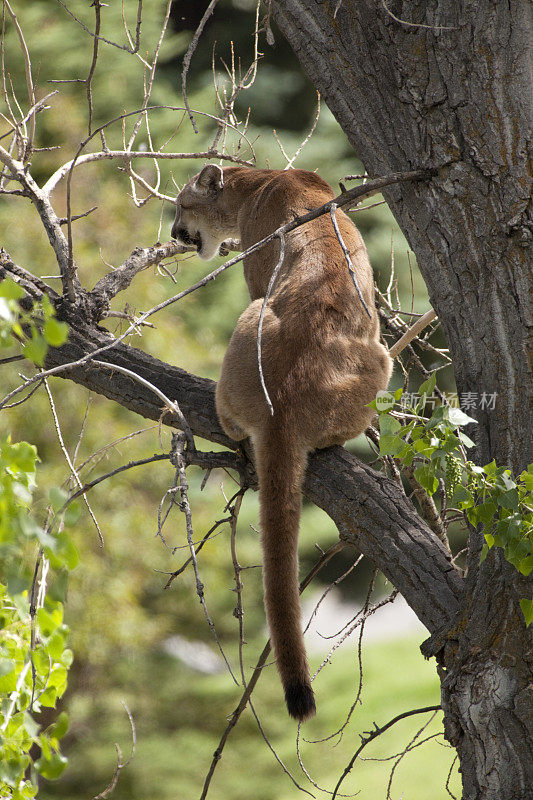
(110, 154)
(261, 317)
(96, 5)
(412, 333)
(312, 130)
(171, 405)
(141, 258)
(179, 461)
(351, 268)
(417, 24)
(189, 54)
(29, 82)
(234, 718)
(374, 734)
(127, 48)
(72, 468)
(48, 218)
(120, 763)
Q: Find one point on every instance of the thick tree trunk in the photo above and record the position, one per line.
(441, 84)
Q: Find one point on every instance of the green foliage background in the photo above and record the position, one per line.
(118, 614)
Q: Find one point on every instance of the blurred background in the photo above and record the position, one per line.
(134, 642)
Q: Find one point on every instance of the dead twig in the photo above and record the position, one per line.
(127, 48)
(188, 56)
(179, 461)
(120, 765)
(412, 333)
(271, 283)
(371, 735)
(351, 268)
(234, 718)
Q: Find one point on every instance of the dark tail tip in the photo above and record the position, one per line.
(300, 701)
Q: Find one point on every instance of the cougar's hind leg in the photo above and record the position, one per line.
(224, 412)
(240, 402)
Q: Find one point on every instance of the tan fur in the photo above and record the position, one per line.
(322, 362)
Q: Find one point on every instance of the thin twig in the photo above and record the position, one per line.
(351, 268)
(261, 317)
(130, 465)
(238, 611)
(412, 333)
(447, 786)
(371, 735)
(72, 468)
(171, 405)
(29, 81)
(127, 48)
(406, 750)
(120, 765)
(418, 24)
(198, 546)
(311, 131)
(234, 718)
(189, 54)
(178, 460)
(96, 6)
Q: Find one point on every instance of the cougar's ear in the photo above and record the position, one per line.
(210, 180)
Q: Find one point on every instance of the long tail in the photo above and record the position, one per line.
(281, 468)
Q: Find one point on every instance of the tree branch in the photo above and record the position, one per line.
(369, 509)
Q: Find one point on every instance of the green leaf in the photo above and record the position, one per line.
(458, 417)
(526, 565)
(527, 610)
(462, 495)
(6, 666)
(466, 440)
(390, 445)
(428, 386)
(56, 644)
(57, 498)
(388, 425)
(384, 401)
(8, 682)
(48, 622)
(51, 768)
(509, 499)
(35, 350)
(426, 479)
(486, 512)
(72, 514)
(66, 553)
(48, 698)
(11, 290)
(55, 333)
(60, 726)
(489, 538)
(527, 478)
(21, 456)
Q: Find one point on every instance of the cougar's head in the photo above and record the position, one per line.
(203, 216)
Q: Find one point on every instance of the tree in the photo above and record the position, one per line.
(438, 94)
(448, 86)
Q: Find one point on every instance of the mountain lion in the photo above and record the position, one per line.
(321, 356)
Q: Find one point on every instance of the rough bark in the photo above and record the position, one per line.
(459, 98)
(451, 87)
